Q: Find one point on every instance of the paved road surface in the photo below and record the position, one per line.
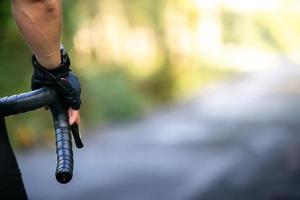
(239, 140)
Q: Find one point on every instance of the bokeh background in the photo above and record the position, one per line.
(135, 55)
(226, 70)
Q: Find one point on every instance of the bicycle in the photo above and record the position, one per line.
(21, 103)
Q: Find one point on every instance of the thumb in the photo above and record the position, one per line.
(74, 117)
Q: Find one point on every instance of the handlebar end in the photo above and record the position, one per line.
(63, 177)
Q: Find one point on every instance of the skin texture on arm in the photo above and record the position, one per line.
(40, 24)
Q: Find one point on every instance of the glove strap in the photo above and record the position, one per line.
(62, 70)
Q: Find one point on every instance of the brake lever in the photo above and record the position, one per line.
(76, 136)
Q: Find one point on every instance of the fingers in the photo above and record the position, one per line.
(74, 120)
(74, 116)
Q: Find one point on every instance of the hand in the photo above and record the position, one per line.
(65, 82)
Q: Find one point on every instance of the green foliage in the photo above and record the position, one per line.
(276, 31)
(230, 24)
(160, 86)
(4, 14)
(13, 55)
(111, 95)
(280, 30)
(144, 11)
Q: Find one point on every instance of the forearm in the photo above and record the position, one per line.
(40, 23)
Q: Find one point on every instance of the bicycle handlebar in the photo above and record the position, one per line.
(29, 101)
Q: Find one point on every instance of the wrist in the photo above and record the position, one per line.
(61, 69)
(50, 61)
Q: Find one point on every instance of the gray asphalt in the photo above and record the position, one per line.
(236, 140)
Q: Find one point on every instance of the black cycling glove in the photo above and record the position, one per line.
(61, 78)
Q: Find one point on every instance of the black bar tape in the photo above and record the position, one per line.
(25, 102)
(64, 152)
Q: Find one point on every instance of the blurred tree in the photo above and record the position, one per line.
(13, 53)
(113, 33)
(159, 86)
(277, 30)
(4, 14)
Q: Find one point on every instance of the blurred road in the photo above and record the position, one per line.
(237, 140)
